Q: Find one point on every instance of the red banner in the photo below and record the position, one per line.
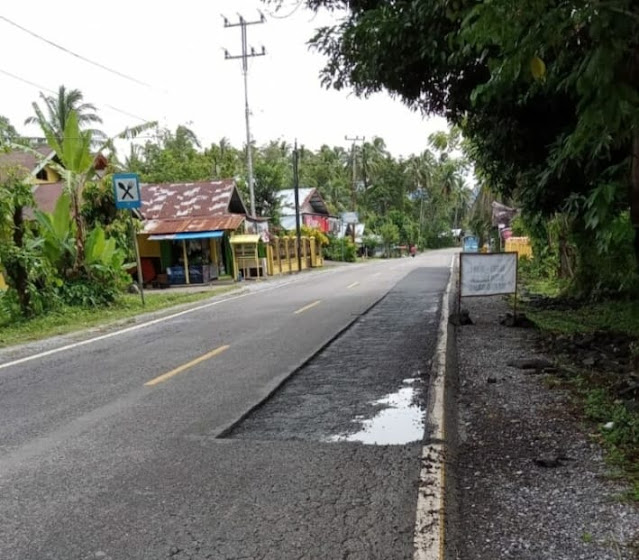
(317, 222)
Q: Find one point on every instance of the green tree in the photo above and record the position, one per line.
(390, 236)
(57, 109)
(26, 274)
(174, 157)
(7, 132)
(327, 170)
(226, 161)
(548, 103)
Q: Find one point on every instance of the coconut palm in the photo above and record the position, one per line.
(57, 109)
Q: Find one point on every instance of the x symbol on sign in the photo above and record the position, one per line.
(126, 190)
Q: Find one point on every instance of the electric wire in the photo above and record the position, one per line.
(76, 55)
(42, 88)
(290, 14)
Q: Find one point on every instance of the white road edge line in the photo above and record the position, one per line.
(133, 328)
(430, 517)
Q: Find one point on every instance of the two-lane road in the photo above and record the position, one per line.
(108, 448)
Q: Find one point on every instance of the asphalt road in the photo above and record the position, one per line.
(110, 449)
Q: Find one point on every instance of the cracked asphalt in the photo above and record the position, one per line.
(94, 464)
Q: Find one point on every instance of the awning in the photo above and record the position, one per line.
(186, 235)
(223, 222)
(247, 238)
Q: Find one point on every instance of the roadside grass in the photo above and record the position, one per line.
(543, 286)
(617, 430)
(72, 319)
(617, 316)
(616, 424)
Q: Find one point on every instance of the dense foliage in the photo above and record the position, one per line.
(544, 91)
(55, 259)
(424, 195)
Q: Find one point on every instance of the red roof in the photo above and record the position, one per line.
(166, 201)
(229, 222)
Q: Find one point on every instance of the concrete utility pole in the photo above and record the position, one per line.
(296, 185)
(354, 140)
(242, 24)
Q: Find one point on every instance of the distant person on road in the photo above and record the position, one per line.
(413, 250)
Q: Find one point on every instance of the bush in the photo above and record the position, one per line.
(606, 265)
(340, 250)
(96, 292)
(314, 233)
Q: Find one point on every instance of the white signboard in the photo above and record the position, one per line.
(487, 274)
(350, 218)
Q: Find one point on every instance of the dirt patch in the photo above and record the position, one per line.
(531, 481)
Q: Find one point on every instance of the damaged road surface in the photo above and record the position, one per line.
(285, 424)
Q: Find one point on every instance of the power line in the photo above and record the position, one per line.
(24, 80)
(76, 55)
(42, 88)
(295, 8)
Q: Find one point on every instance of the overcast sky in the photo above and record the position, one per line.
(178, 49)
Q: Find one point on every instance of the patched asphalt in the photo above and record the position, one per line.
(337, 390)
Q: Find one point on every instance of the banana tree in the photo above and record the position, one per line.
(77, 164)
(58, 235)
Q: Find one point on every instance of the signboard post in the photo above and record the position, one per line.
(126, 189)
(487, 274)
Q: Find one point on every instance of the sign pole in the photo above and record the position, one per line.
(459, 288)
(516, 288)
(127, 194)
(137, 257)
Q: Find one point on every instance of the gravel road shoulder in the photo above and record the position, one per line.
(530, 482)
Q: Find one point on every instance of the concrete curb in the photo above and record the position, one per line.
(430, 520)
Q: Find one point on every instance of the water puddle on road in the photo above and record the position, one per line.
(400, 421)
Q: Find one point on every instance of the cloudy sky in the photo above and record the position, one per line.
(177, 49)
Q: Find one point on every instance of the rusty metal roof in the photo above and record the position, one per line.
(229, 222)
(166, 201)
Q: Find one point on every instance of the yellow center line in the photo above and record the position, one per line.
(352, 285)
(307, 307)
(186, 366)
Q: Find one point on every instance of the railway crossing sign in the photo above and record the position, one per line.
(126, 188)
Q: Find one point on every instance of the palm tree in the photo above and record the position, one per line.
(58, 108)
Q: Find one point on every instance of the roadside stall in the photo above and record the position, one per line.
(249, 255)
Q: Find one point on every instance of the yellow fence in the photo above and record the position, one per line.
(520, 245)
(282, 254)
